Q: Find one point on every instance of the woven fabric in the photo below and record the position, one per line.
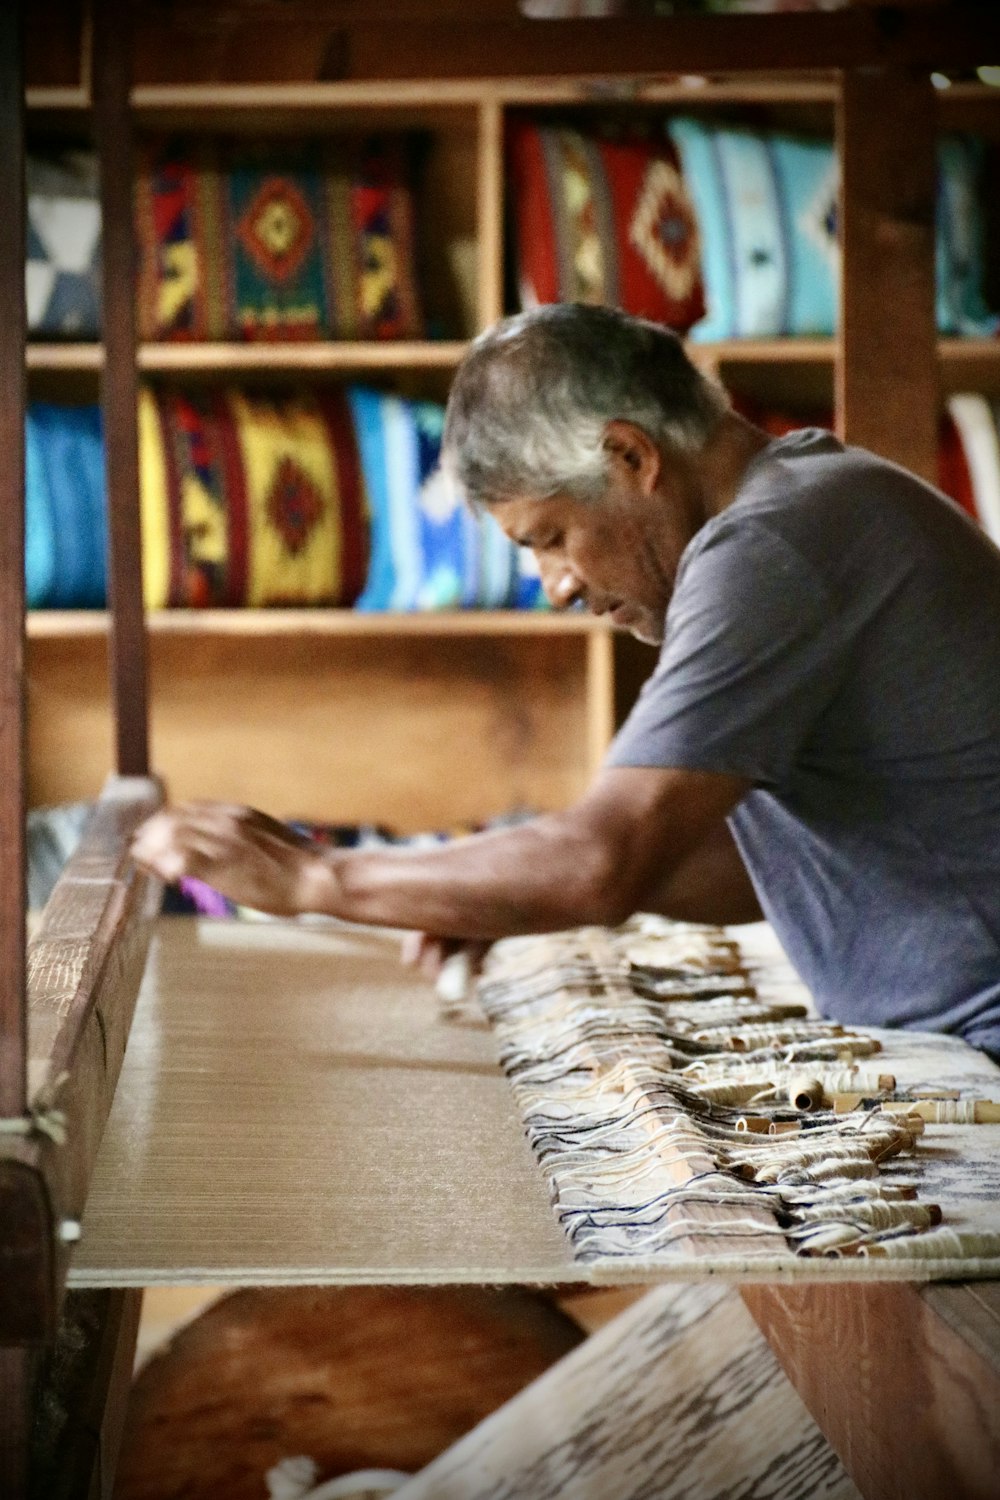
(261, 242)
(66, 531)
(975, 458)
(428, 550)
(603, 221)
(686, 1107)
(63, 264)
(250, 501)
(766, 207)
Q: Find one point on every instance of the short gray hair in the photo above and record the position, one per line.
(532, 398)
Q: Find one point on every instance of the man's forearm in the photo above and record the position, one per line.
(594, 863)
(541, 876)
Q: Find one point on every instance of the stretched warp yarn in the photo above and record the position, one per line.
(680, 1112)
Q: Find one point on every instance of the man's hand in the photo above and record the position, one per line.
(243, 853)
(429, 954)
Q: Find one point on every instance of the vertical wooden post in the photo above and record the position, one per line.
(489, 212)
(111, 72)
(887, 388)
(600, 697)
(13, 1011)
(15, 1364)
(16, 1379)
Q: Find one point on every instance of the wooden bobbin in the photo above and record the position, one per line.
(805, 1092)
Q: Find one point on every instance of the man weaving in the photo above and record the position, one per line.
(828, 687)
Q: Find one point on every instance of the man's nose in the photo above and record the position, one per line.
(561, 585)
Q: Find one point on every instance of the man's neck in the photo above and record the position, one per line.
(725, 459)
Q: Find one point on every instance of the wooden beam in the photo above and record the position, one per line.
(904, 1381)
(677, 1395)
(858, 37)
(13, 1025)
(83, 1390)
(84, 969)
(119, 383)
(887, 380)
(16, 1378)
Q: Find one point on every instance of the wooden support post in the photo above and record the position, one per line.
(489, 213)
(84, 968)
(904, 1381)
(83, 1387)
(16, 1371)
(13, 1016)
(119, 386)
(887, 385)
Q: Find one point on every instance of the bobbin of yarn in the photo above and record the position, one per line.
(805, 1092)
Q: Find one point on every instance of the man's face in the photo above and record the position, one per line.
(617, 555)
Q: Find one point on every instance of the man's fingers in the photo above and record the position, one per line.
(451, 964)
(411, 948)
(456, 978)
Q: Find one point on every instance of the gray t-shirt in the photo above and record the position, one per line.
(834, 636)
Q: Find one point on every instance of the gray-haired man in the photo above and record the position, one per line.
(827, 687)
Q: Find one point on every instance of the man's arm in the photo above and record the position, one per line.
(603, 858)
(710, 885)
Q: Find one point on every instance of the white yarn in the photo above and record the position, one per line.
(291, 1479)
(364, 1484)
(295, 1479)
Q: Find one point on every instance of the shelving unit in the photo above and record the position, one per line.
(415, 721)
(483, 711)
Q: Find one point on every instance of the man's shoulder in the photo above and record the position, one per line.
(831, 503)
(808, 470)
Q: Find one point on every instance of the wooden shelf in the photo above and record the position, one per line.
(417, 721)
(152, 101)
(240, 358)
(765, 351)
(957, 352)
(56, 624)
(183, 359)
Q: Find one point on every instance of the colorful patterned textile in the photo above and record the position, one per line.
(62, 273)
(64, 507)
(428, 550)
(260, 242)
(767, 212)
(602, 221)
(977, 423)
(250, 501)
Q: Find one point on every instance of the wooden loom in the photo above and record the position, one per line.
(66, 1007)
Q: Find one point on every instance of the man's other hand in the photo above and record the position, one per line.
(453, 965)
(247, 856)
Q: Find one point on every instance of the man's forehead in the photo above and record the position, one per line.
(525, 510)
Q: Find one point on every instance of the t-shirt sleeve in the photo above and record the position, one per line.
(751, 657)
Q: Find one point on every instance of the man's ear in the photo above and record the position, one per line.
(636, 453)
